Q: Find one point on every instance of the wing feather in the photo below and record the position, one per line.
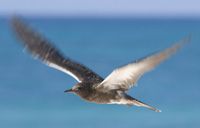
(44, 50)
(125, 77)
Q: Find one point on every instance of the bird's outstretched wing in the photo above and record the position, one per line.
(44, 50)
(125, 77)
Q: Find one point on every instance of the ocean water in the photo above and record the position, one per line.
(31, 94)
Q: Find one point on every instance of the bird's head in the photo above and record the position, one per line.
(75, 89)
(80, 89)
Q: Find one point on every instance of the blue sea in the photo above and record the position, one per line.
(32, 94)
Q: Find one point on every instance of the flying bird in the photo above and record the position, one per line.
(91, 86)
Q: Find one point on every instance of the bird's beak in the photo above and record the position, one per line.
(69, 90)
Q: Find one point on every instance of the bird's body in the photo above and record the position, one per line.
(91, 86)
(90, 92)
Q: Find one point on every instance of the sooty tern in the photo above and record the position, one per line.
(91, 86)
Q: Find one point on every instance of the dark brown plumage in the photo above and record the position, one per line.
(91, 86)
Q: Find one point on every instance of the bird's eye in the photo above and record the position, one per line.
(77, 89)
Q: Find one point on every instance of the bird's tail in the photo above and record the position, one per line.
(133, 101)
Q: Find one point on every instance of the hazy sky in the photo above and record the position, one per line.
(102, 7)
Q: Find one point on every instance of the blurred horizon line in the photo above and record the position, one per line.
(97, 16)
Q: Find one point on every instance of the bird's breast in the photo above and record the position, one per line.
(101, 97)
